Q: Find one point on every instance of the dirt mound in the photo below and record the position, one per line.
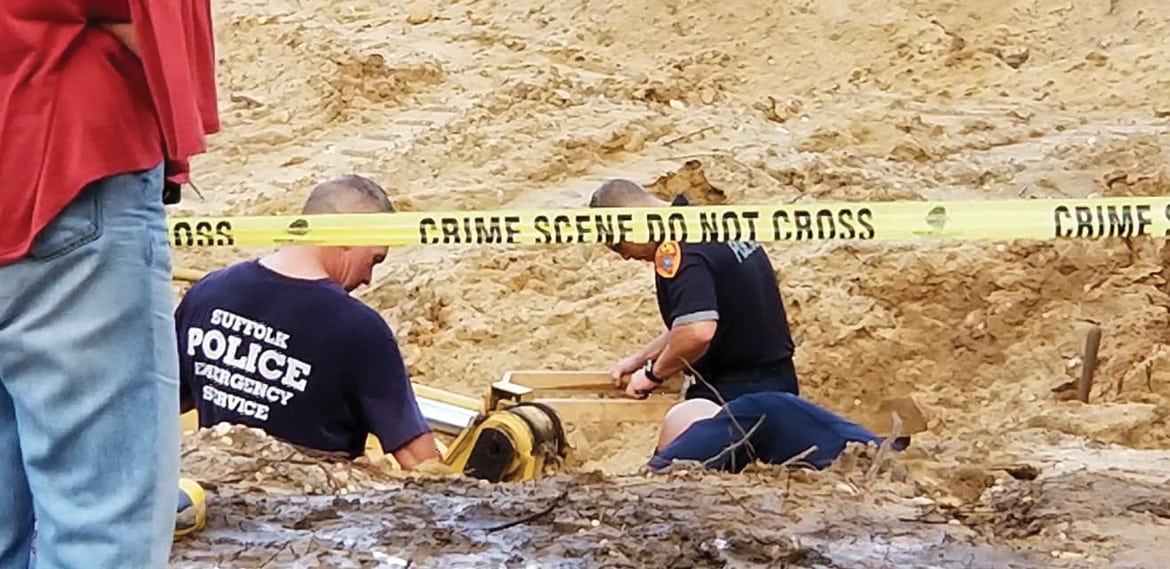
(245, 459)
(1083, 511)
(367, 76)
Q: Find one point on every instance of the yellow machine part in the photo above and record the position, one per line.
(191, 514)
(512, 444)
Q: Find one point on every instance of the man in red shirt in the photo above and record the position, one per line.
(102, 102)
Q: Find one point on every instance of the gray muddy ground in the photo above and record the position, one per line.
(295, 510)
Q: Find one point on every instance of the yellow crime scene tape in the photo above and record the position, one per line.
(1093, 218)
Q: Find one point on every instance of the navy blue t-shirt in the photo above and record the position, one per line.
(300, 359)
(788, 426)
(733, 283)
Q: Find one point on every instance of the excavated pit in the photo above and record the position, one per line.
(482, 104)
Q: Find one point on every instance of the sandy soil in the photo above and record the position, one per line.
(523, 104)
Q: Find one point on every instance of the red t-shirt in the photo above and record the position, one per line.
(76, 105)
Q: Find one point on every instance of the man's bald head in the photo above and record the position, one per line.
(619, 192)
(623, 193)
(348, 266)
(348, 194)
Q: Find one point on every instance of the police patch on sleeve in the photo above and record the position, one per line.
(667, 259)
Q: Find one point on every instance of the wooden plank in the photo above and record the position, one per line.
(559, 379)
(581, 411)
(598, 381)
(456, 399)
(504, 391)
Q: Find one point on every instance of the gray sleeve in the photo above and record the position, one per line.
(695, 317)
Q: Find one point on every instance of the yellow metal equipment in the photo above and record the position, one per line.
(520, 436)
(191, 514)
(521, 442)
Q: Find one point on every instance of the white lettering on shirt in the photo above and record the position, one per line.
(245, 364)
(742, 250)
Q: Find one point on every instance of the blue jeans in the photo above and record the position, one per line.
(727, 385)
(89, 400)
(727, 392)
(781, 425)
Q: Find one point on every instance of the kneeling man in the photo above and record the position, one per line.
(278, 343)
(770, 427)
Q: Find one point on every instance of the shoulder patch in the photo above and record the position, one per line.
(667, 259)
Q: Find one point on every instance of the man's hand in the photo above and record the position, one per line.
(640, 386)
(419, 450)
(625, 367)
(434, 467)
(632, 363)
(124, 32)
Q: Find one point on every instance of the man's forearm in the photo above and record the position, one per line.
(653, 348)
(684, 345)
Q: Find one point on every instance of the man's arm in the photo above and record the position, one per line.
(631, 363)
(387, 398)
(652, 348)
(694, 319)
(419, 450)
(685, 343)
(694, 316)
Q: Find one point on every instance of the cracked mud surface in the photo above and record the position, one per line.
(292, 513)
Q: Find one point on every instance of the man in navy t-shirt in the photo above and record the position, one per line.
(278, 343)
(722, 308)
(770, 427)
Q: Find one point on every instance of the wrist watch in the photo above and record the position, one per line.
(648, 369)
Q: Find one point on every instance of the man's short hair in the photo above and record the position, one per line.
(619, 192)
(348, 194)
